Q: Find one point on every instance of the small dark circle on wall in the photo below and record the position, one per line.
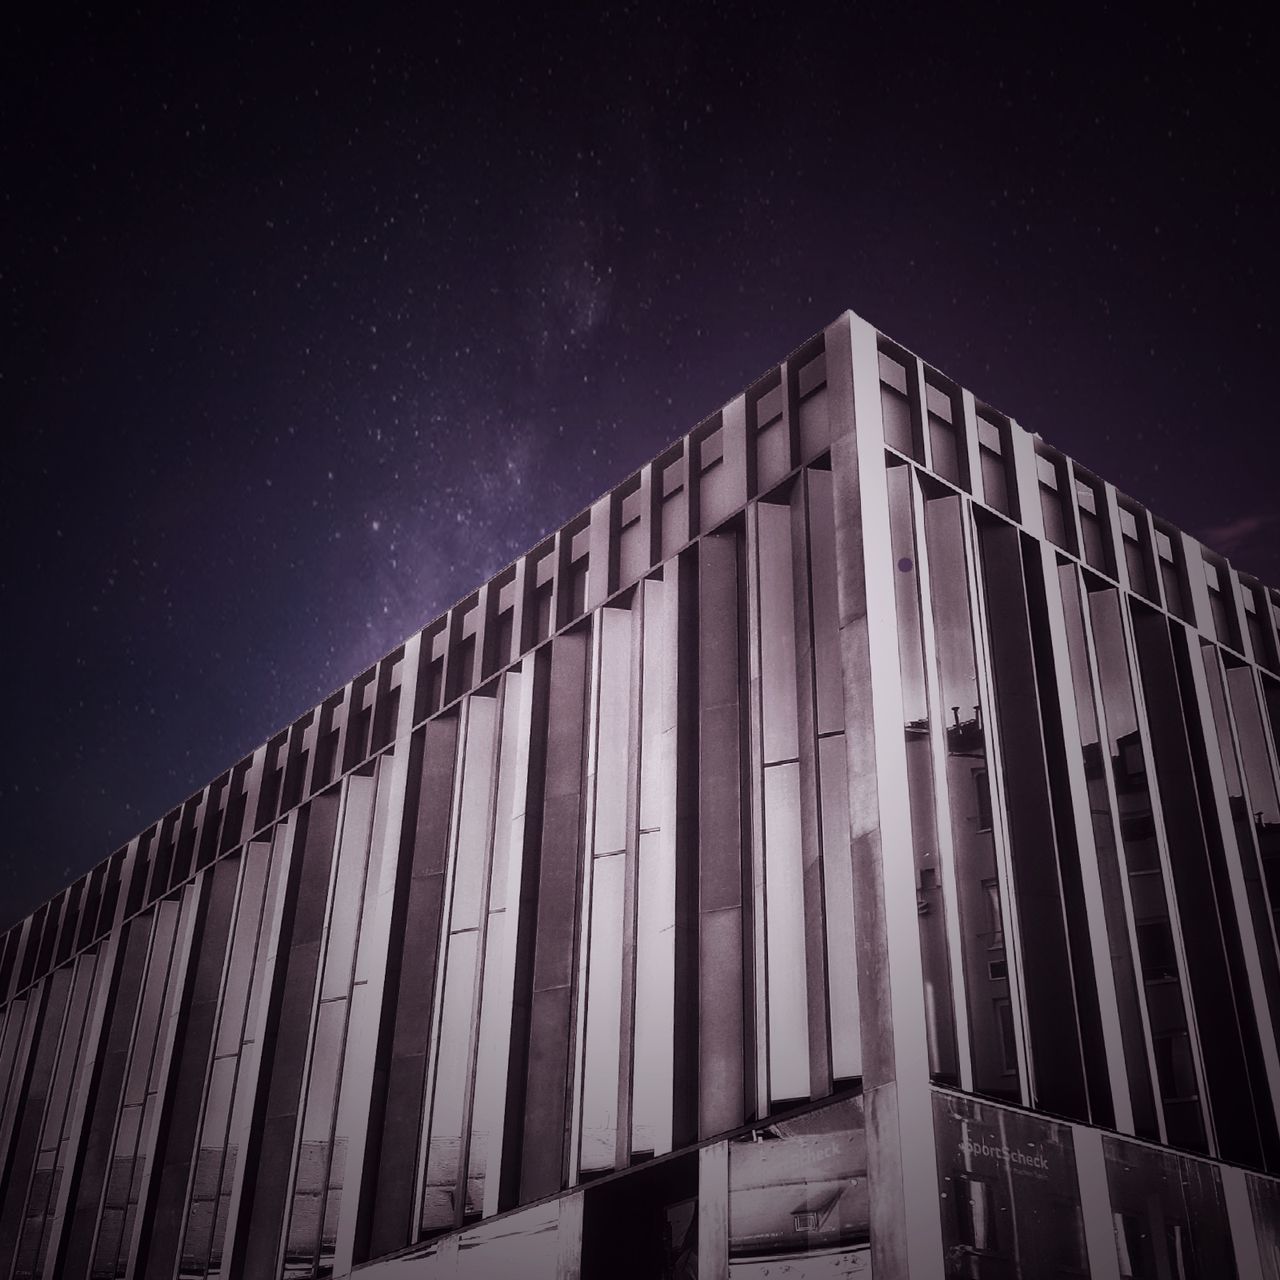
(905, 564)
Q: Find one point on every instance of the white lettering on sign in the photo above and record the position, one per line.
(1010, 1155)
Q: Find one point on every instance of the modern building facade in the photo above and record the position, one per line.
(849, 848)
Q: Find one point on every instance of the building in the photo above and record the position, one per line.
(851, 847)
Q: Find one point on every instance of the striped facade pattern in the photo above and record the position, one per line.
(852, 846)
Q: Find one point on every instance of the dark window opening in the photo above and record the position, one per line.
(982, 789)
(895, 406)
(976, 1213)
(654, 1210)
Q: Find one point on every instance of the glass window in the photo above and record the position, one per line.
(993, 458)
(1164, 1202)
(798, 1201)
(1052, 504)
(75, 1058)
(895, 405)
(1169, 557)
(1010, 1192)
(1133, 538)
(312, 1231)
(1263, 807)
(1264, 1199)
(1105, 830)
(1004, 1019)
(654, 1210)
(973, 843)
(946, 444)
(1221, 606)
(137, 1115)
(995, 916)
(1161, 980)
(230, 1090)
(976, 1213)
(982, 796)
(1090, 506)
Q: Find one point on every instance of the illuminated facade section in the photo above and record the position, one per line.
(851, 847)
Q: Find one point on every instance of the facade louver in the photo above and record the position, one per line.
(849, 848)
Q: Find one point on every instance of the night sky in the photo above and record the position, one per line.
(309, 327)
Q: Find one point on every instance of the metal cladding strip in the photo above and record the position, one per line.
(713, 1210)
(569, 1238)
(542, 1160)
(723, 1086)
(907, 1227)
(522, 833)
(255, 1254)
(1095, 1204)
(52, 996)
(269, 966)
(586, 873)
(373, 948)
(1244, 1239)
(754, 749)
(817, 979)
(164, 1074)
(440, 954)
(941, 783)
(630, 905)
(176, 1136)
(78, 1124)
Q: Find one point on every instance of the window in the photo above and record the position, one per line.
(1181, 1257)
(946, 442)
(1255, 615)
(1174, 1065)
(1221, 606)
(1089, 503)
(1057, 520)
(711, 450)
(995, 917)
(982, 789)
(811, 387)
(1169, 558)
(1155, 946)
(976, 1209)
(994, 455)
(895, 405)
(1129, 1240)
(1133, 538)
(1008, 1036)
